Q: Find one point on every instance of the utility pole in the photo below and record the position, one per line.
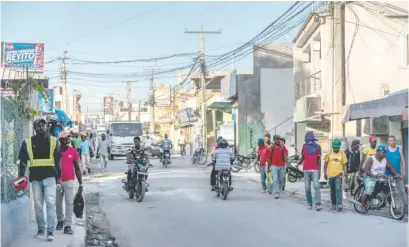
(128, 94)
(152, 105)
(64, 82)
(202, 33)
(139, 111)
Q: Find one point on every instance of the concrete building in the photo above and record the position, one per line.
(353, 52)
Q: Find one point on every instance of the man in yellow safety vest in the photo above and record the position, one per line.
(41, 152)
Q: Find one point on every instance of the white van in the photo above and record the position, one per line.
(121, 135)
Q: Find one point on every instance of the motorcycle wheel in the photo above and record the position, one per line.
(193, 159)
(225, 191)
(202, 159)
(166, 162)
(291, 178)
(257, 167)
(357, 197)
(235, 169)
(140, 191)
(397, 213)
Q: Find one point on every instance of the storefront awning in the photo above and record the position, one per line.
(391, 105)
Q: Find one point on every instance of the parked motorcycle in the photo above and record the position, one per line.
(137, 185)
(166, 158)
(246, 162)
(383, 193)
(199, 156)
(292, 171)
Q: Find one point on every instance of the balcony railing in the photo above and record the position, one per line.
(309, 85)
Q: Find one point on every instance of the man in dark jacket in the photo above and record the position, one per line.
(41, 152)
(354, 159)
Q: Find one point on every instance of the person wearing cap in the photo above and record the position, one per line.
(374, 170)
(85, 147)
(354, 160)
(336, 167)
(267, 139)
(264, 157)
(279, 155)
(369, 151)
(311, 160)
(69, 170)
(41, 152)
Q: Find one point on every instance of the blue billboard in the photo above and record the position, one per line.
(49, 105)
(23, 55)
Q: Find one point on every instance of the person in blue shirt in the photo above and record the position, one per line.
(85, 154)
(395, 156)
(166, 145)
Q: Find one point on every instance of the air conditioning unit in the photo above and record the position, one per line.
(379, 125)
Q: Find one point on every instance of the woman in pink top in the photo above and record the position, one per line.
(69, 167)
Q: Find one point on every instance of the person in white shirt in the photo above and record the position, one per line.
(182, 144)
(103, 151)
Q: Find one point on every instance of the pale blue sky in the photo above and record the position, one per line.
(159, 33)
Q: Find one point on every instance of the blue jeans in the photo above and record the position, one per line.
(335, 184)
(265, 181)
(278, 173)
(312, 176)
(45, 190)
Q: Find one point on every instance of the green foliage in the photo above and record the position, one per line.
(22, 89)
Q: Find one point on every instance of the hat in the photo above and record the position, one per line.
(381, 148)
(261, 140)
(356, 142)
(38, 120)
(372, 138)
(62, 135)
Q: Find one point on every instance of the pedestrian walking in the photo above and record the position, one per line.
(41, 152)
(336, 167)
(85, 154)
(279, 155)
(103, 151)
(311, 160)
(354, 159)
(396, 158)
(76, 141)
(264, 157)
(182, 144)
(69, 167)
(282, 143)
(267, 139)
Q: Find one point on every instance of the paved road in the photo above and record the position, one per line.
(180, 211)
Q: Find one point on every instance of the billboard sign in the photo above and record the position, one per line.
(47, 106)
(187, 116)
(23, 55)
(162, 95)
(108, 105)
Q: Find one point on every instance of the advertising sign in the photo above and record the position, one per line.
(23, 55)
(187, 116)
(108, 105)
(162, 95)
(47, 106)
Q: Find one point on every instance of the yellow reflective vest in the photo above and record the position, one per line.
(41, 162)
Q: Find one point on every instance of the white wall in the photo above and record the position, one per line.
(277, 98)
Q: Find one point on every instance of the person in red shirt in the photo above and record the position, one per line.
(69, 169)
(264, 155)
(311, 157)
(279, 156)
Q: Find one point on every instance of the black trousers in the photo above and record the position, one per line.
(213, 175)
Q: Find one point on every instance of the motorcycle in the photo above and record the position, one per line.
(383, 193)
(137, 185)
(222, 184)
(292, 171)
(199, 156)
(246, 162)
(166, 158)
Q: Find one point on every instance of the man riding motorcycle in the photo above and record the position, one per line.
(222, 159)
(136, 153)
(166, 145)
(374, 169)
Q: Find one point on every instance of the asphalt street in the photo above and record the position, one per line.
(180, 211)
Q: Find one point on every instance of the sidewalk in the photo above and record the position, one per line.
(26, 238)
